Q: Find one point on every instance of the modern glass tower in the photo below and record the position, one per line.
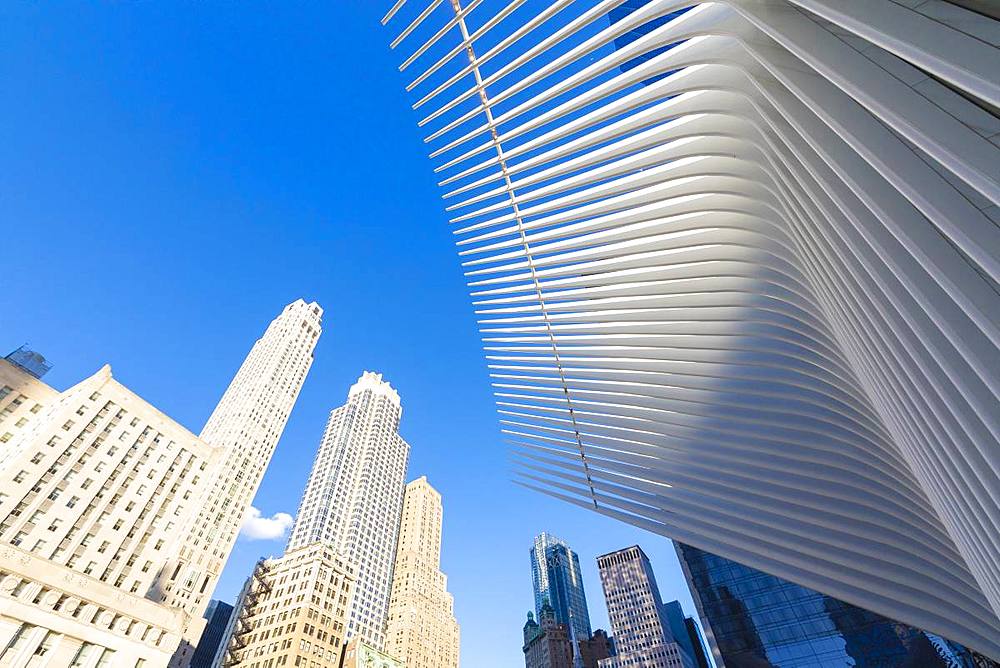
(743, 293)
(756, 620)
(556, 578)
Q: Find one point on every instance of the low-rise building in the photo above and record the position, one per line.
(293, 611)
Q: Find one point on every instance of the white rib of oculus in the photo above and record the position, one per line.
(737, 271)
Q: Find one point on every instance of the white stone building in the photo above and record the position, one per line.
(354, 497)
(115, 521)
(96, 484)
(422, 629)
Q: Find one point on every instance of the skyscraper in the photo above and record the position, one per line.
(639, 620)
(752, 304)
(354, 498)
(246, 426)
(422, 630)
(556, 579)
(758, 620)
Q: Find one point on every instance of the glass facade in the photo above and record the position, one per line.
(217, 614)
(556, 577)
(756, 620)
(29, 361)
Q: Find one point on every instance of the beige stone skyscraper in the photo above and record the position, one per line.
(246, 425)
(423, 631)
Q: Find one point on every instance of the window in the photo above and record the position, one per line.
(20, 476)
(72, 501)
(82, 655)
(6, 437)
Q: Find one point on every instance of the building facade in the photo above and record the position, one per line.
(217, 617)
(557, 580)
(110, 554)
(756, 620)
(293, 611)
(354, 498)
(95, 487)
(246, 425)
(639, 620)
(422, 630)
(547, 642)
(743, 293)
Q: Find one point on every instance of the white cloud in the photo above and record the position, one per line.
(256, 527)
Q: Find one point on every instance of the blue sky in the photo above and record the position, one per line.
(174, 173)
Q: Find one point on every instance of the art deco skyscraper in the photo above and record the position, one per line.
(737, 271)
(246, 425)
(556, 579)
(422, 630)
(354, 497)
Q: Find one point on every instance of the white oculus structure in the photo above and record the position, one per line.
(354, 498)
(738, 271)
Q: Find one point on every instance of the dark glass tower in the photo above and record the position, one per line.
(217, 613)
(556, 577)
(756, 620)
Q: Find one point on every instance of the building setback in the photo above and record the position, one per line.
(354, 498)
(759, 620)
(639, 620)
(744, 292)
(422, 630)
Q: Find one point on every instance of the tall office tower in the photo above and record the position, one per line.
(422, 630)
(292, 612)
(755, 619)
(556, 579)
(95, 485)
(639, 620)
(750, 304)
(354, 497)
(246, 425)
(217, 617)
